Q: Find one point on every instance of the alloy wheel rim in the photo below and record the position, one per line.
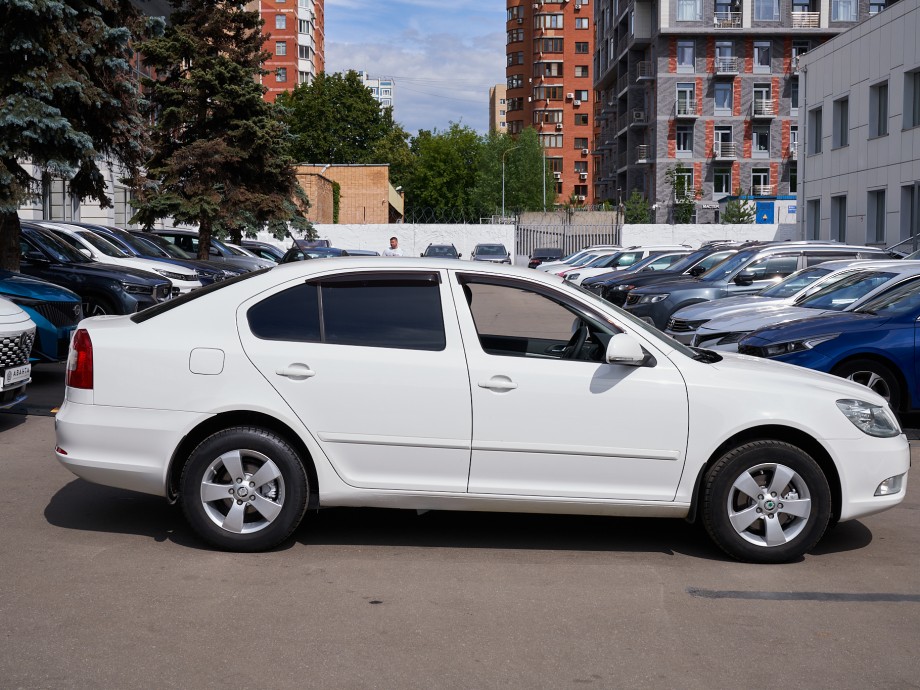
(242, 491)
(873, 381)
(769, 505)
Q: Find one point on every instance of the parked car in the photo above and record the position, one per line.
(747, 272)
(103, 289)
(265, 250)
(614, 286)
(441, 251)
(592, 258)
(100, 249)
(684, 323)
(269, 424)
(579, 256)
(622, 259)
(54, 310)
(298, 253)
(874, 345)
(842, 293)
(360, 252)
(493, 253)
(17, 332)
(188, 240)
(544, 254)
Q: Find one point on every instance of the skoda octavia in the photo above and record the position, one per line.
(429, 384)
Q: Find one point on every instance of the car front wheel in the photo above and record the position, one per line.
(244, 489)
(766, 502)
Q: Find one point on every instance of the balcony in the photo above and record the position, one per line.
(726, 65)
(687, 109)
(763, 108)
(645, 71)
(622, 122)
(638, 118)
(763, 189)
(806, 20)
(726, 20)
(725, 150)
(643, 153)
(621, 160)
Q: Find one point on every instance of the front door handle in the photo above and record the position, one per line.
(499, 384)
(297, 372)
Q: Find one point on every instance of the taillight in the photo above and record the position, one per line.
(80, 361)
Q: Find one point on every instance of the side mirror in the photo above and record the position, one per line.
(697, 271)
(422, 254)
(624, 349)
(744, 278)
(86, 252)
(459, 256)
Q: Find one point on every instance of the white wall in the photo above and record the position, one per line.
(694, 235)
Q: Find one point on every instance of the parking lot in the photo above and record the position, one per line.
(106, 588)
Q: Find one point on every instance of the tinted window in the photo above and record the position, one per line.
(795, 283)
(773, 267)
(903, 299)
(491, 249)
(396, 311)
(812, 259)
(289, 315)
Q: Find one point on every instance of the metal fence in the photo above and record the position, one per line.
(568, 237)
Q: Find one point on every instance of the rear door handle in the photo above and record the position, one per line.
(297, 372)
(499, 384)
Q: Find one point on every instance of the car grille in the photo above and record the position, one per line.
(60, 314)
(15, 349)
(163, 292)
(682, 326)
(616, 297)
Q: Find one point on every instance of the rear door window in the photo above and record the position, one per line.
(772, 267)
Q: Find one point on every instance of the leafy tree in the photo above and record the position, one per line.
(684, 205)
(526, 173)
(739, 210)
(68, 102)
(220, 150)
(393, 148)
(443, 178)
(636, 209)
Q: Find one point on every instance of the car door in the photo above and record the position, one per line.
(373, 366)
(549, 423)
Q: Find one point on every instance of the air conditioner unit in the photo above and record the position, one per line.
(584, 152)
(520, 20)
(583, 176)
(581, 197)
(558, 125)
(577, 103)
(570, 96)
(530, 99)
(577, 6)
(557, 175)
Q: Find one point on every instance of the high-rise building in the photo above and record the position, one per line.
(498, 108)
(549, 49)
(712, 87)
(296, 42)
(382, 88)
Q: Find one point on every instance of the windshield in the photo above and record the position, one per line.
(59, 250)
(660, 259)
(795, 282)
(137, 245)
(546, 253)
(727, 267)
(491, 250)
(904, 299)
(603, 261)
(441, 251)
(101, 245)
(165, 245)
(840, 294)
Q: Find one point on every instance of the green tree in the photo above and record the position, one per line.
(739, 210)
(443, 178)
(393, 148)
(526, 174)
(636, 209)
(220, 150)
(684, 205)
(68, 101)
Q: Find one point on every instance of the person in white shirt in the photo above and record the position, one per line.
(393, 249)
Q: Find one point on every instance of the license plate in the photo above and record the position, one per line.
(16, 375)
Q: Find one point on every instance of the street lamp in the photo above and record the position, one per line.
(505, 153)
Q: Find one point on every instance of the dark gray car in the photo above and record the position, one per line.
(496, 253)
(188, 240)
(747, 272)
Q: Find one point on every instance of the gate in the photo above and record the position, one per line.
(566, 236)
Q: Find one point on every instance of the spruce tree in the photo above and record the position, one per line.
(68, 102)
(636, 210)
(219, 149)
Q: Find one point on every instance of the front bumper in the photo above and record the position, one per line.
(865, 463)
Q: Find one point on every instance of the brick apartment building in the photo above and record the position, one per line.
(549, 86)
(710, 84)
(296, 42)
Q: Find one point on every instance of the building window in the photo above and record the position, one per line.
(912, 99)
(581, 47)
(760, 180)
(813, 218)
(686, 51)
(722, 181)
(581, 190)
(683, 180)
(684, 141)
(547, 69)
(686, 98)
(303, 77)
(793, 179)
(581, 95)
(303, 52)
(281, 74)
(551, 141)
(548, 45)
(516, 126)
(516, 58)
(723, 93)
(303, 26)
(280, 21)
(843, 10)
(799, 48)
(910, 210)
(814, 130)
(761, 142)
(548, 93)
(875, 217)
(689, 10)
(841, 122)
(876, 6)
(581, 23)
(547, 117)
(515, 81)
(581, 142)
(762, 56)
(555, 164)
(581, 70)
(794, 141)
(581, 166)
(548, 21)
(839, 218)
(280, 48)
(794, 96)
(878, 110)
(515, 35)
(766, 10)
(581, 118)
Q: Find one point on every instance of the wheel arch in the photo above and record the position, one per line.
(773, 432)
(226, 420)
(906, 401)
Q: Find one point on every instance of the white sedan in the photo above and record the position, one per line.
(17, 334)
(426, 385)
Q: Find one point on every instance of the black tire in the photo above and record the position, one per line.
(259, 514)
(794, 528)
(96, 305)
(877, 377)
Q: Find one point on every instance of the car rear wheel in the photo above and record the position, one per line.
(94, 305)
(874, 375)
(244, 489)
(766, 502)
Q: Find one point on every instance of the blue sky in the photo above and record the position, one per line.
(443, 54)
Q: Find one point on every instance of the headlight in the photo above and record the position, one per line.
(652, 299)
(874, 420)
(173, 276)
(22, 301)
(572, 276)
(796, 345)
(133, 289)
(623, 288)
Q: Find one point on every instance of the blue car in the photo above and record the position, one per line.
(56, 311)
(873, 345)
